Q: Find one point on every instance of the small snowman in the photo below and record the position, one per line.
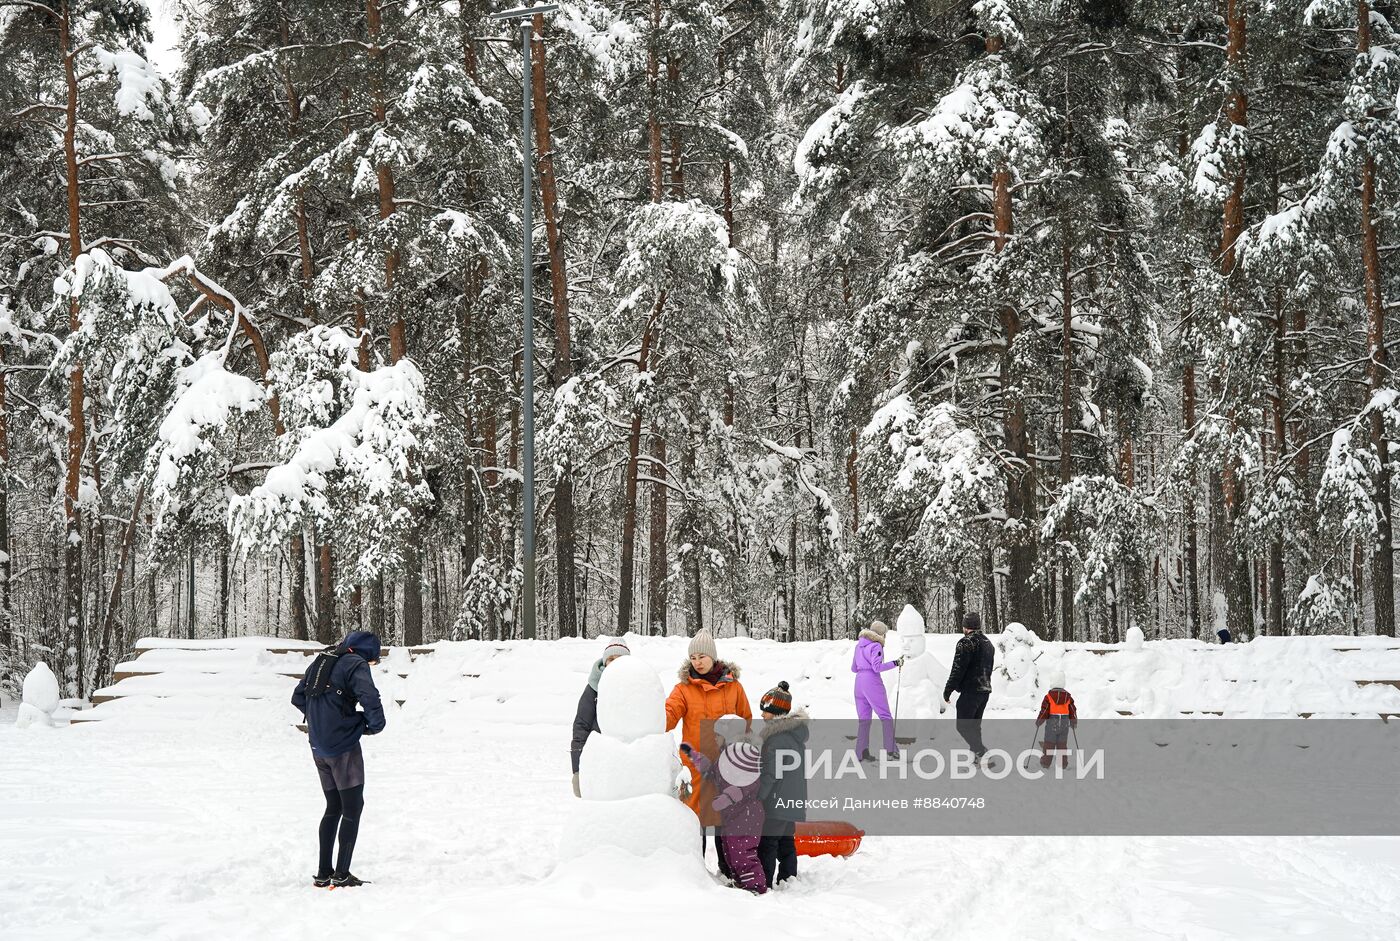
(39, 698)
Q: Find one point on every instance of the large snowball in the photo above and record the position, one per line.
(612, 770)
(631, 703)
(638, 825)
(1133, 639)
(41, 689)
(910, 628)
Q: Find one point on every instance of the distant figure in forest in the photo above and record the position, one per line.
(1224, 635)
(336, 682)
(586, 716)
(971, 678)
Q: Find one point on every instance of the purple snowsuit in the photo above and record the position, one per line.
(741, 812)
(867, 664)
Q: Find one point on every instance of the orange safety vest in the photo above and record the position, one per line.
(1058, 708)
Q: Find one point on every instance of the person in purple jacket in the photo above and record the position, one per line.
(740, 807)
(867, 664)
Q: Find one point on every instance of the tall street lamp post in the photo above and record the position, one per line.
(526, 16)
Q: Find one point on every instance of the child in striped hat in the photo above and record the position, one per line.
(735, 777)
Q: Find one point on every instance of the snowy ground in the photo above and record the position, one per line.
(188, 818)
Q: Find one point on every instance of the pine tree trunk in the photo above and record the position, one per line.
(325, 595)
(1066, 420)
(657, 586)
(301, 629)
(75, 641)
(7, 633)
(1239, 607)
(1382, 562)
(1024, 600)
(223, 589)
(398, 336)
(564, 538)
(634, 435)
(1193, 566)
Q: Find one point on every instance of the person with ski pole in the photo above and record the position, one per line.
(586, 716)
(337, 681)
(868, 664)
(971, 678)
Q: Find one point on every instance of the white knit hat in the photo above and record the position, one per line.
(615, 648)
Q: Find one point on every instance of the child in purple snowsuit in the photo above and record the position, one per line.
(740, 807)
(867, 664)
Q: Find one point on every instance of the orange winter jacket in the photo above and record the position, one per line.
(695, 703)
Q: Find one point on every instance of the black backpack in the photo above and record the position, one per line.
(318, 677)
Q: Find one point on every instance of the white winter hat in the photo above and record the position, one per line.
(730, 728)
(739, 763)
(1055, 679)
(615, 648)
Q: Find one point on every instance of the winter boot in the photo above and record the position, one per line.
(321, 880)
(346, 880)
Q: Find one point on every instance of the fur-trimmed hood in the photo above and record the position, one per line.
(729, 672)
(792, 722)
(868, 634)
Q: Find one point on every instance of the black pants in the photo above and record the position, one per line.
(343, 809)
(777, 852)
(970, 709)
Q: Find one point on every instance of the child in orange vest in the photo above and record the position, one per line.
(1058, 715)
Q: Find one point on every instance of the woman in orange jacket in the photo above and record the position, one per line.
(708, 689)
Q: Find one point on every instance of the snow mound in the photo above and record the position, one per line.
(639, 826)
(41, 689)
(611, 770)
(631, 703)
(1134, 639)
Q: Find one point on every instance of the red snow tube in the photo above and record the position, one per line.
(827, 838)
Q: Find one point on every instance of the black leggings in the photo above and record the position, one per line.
(343, 809)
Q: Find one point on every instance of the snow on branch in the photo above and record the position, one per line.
(351, 460)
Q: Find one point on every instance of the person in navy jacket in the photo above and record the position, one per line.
(338, 681)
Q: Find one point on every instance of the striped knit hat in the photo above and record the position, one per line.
(739, 763)
(615, 648)
(777, 701)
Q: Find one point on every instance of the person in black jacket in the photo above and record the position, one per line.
(336, 682)
(971, 679)
(586, 716)
(784, 731)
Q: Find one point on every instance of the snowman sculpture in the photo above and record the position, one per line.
(627, 773)
(922, 677)
(40, 697)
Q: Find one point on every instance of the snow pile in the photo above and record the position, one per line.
(1016, 661)
(40, 697)
(626, 773)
